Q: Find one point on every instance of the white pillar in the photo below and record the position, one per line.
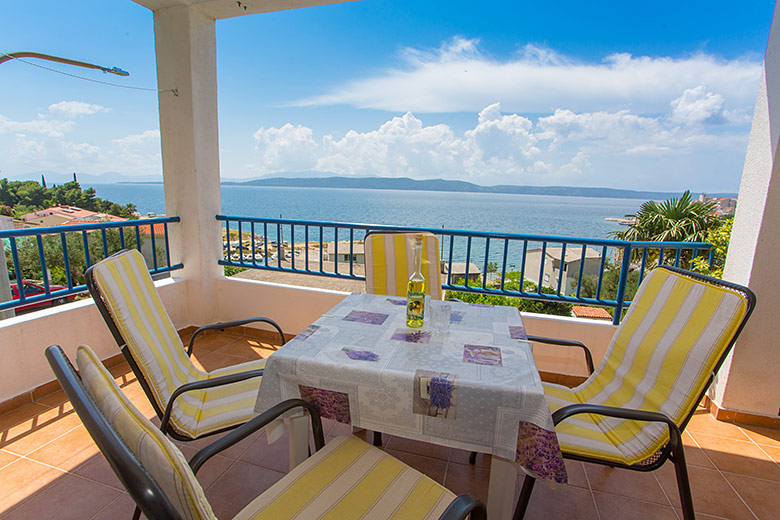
(749, 380)
(185, 43)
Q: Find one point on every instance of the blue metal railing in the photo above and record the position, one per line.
(43, 242)
(536, 255)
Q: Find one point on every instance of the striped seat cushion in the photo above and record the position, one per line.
(349, 479)
(138, 312)
(164, 462)
(660, 359)
(390, 262)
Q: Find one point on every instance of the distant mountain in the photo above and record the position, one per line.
(85, 179)
(404, 183)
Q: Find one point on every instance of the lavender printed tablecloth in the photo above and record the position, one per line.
(474, 387)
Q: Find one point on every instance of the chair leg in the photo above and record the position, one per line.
(377, 438)
(683, 485)
(525, 497)
(137, 513)
(473, 458)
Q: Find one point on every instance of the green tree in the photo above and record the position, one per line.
(512, 283)
(674, 220)
(719, 238)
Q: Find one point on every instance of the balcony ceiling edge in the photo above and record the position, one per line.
(219, 9)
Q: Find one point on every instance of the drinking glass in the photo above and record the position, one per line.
(440, 317)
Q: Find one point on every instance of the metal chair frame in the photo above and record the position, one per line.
(165, 414)
(673, 450)
(142, 487)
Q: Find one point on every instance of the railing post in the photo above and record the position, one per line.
(621, 292)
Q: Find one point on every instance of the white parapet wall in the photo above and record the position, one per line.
(295, 308)
(595, 334)
(24, 339)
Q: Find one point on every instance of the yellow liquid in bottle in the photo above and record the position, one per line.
(415, 303)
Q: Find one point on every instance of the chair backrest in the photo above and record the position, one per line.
(151, 468)
(390, 262)
(664, 354)
(126, 296)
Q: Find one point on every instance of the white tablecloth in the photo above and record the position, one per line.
(474, 387)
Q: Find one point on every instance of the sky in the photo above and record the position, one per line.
(648, 96)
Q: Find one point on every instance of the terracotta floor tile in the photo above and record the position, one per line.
(6, 458)
(23, 414)
(21, 479)
(464, 478)
(120, 509)
(745, 458)
(215, 360)
(212, 470)
(615, 506)
(97, 468)
(772, 451)
(631, 484)
(274, 456)
(711, 493)
(575, 470)
(564, 502)
(240, 484)
(704, 422)
(763, 435)
(694, 455)
(762, 496)
(462, 457)
(68, 451)
(248, 348)
(53, 399)
(65, 499)
(30, 435)
(211, 341)
(434, 468)
(418, 448)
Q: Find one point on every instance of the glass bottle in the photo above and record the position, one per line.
(415, 294)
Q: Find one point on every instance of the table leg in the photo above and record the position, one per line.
(501, 493)
(299, 439)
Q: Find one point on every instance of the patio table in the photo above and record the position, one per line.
(473, 387)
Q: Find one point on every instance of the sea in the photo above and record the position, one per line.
(576, 217)
(581, 217)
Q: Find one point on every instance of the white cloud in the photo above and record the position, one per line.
(145, 137)
(74, 109)
(596, 149)
(50, 128)
(697, 105)
(459, 77)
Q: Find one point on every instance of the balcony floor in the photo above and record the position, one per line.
(49, 466)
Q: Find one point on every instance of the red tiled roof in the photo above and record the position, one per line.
(590, 312)
(159, 229)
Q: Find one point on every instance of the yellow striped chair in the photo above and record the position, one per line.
(390, 262)
(631, 411)
(347, 479)
(190, 403)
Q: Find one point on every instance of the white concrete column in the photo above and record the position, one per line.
(749, 380)
(185, 42)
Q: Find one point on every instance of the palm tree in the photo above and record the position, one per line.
(673, 220)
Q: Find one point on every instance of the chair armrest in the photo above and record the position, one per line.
(463, 506)
(675, 435)
(237, 323)
(200, 385)
(250, 427)
(567, 343)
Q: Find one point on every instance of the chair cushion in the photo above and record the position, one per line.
(136, 308)
(164, 462)
(660, 359)
(350, 479)
(390, 262)
(579, 434)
